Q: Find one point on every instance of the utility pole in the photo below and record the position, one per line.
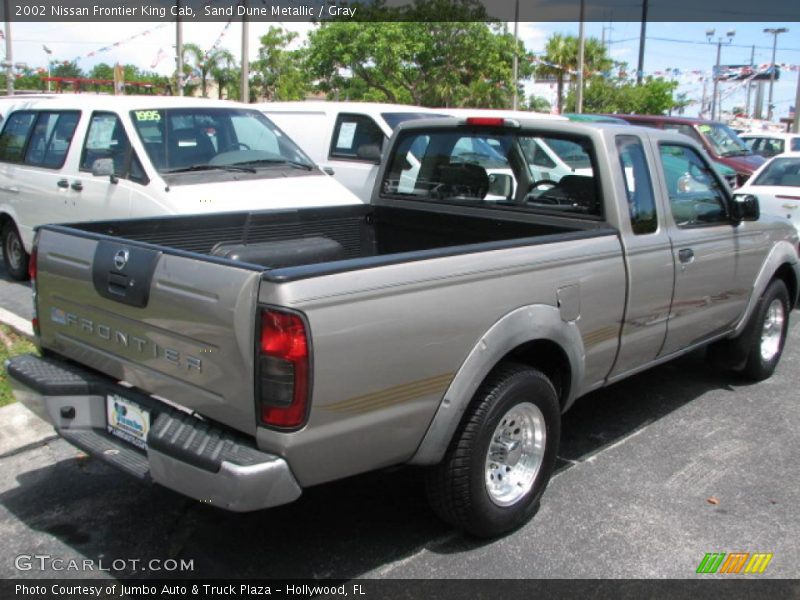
(796, 124)
(515, 64)
(775, 32)
(581, 58)
(642, 37)
(9, 55)
(245, 83)
(715, 75)
(179, 49)
(750, 81)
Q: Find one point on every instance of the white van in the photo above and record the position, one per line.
(345, 138)
(85, 158)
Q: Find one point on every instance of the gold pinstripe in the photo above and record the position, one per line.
(393, 395)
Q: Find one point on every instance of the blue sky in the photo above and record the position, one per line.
(72, 40)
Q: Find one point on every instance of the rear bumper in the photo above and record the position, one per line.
(184, 453)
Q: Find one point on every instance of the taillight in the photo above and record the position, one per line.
(283, 369)
(32, 271)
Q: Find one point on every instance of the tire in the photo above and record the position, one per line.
(14, 255)
(488, 489)
(770, 322)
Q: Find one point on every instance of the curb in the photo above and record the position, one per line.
(17, 323)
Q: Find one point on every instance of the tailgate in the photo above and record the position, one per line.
(174, 325)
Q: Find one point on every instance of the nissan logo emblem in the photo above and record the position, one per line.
(121, 259)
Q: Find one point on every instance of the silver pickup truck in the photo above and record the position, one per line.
(238, 358)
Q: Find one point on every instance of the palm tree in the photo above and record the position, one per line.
(561, 53)
(202, 62)
(223, 70)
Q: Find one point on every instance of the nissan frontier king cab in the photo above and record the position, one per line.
(239, 358)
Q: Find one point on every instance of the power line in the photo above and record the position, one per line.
(660, 39)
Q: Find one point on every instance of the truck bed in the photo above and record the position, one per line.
(366, 235)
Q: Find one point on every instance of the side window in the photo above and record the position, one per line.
(15, 133)
(695, 197)
(137, 173)
(106, 138)
(796, 144)
(51, 139)
(772, 146)
(352, 132)
(638, 185)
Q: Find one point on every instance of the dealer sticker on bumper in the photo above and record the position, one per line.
(127, 420)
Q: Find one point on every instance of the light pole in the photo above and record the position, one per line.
(515, 62)
(49, 63)
(775, 33)
(715, 75)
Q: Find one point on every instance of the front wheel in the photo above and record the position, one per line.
(14, 255)
(502, 455)
(770, 324)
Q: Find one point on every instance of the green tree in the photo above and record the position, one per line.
(425, 63)
(279, 73)
(196, 60)
(67, 69)
(224, 72)
(561, 56)
(619, 95)
(538, 103)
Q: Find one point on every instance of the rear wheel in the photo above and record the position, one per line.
(14, 255)
(769, 326)
(502, 455)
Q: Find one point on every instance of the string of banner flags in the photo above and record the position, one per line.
(731, 73)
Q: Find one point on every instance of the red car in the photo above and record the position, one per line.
(719, 140)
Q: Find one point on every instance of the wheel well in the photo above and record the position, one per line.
(786, 274)
(4, 218)
(550, 359)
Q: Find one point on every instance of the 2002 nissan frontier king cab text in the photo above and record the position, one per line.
(239, 358)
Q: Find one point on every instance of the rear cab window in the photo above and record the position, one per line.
(496, 168)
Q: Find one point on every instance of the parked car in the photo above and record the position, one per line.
(435, 326)
(345, 138)
(719, 141)
(777, 187)
(769, 144)
(85, 157)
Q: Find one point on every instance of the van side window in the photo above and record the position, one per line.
(354, 132)
(695, 196)
(15, 133)
(106, 138)
(51, 139)
(639, 187)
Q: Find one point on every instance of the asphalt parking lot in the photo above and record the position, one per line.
(654, 473)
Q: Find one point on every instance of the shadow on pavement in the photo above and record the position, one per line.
(339, 530)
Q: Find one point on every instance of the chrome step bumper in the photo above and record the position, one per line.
(184, 453)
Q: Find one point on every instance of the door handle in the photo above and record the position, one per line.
(63, 183)
(789, 206)
(328, 170)
(686, 255)
(77, 186)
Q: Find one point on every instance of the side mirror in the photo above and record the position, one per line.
(104, 167)
(370, 152)
(500, 184)
(745, 207)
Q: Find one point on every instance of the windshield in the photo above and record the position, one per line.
(200, 138)
(784, 172)
(393, 119)
(723, 139)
